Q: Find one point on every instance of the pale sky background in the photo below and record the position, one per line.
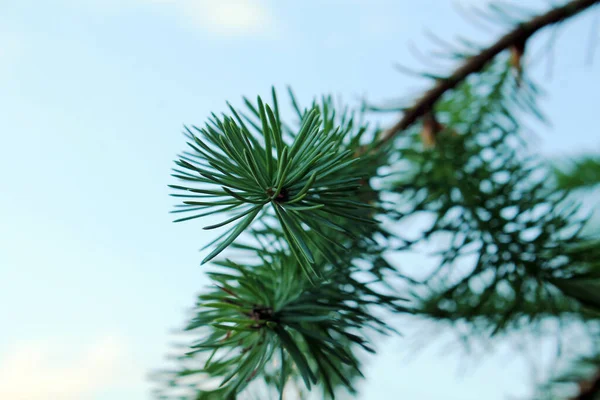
(93, 94)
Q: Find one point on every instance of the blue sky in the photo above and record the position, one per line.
(93, 95)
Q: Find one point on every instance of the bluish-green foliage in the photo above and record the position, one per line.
(296, 304)
(300, 277)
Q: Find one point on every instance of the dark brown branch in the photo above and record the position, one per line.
(476, 63)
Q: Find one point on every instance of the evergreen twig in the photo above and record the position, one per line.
(520, 34)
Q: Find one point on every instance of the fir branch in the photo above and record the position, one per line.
(519, 35)
(485, 199)
(301, 177)
(266, 319)
(303, 299)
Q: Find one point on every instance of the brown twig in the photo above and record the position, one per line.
(476, 63)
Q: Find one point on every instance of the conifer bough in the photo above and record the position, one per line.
(474, 63)
(254, 167)
(298, 307)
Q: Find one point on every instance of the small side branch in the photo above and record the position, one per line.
(476, 63)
